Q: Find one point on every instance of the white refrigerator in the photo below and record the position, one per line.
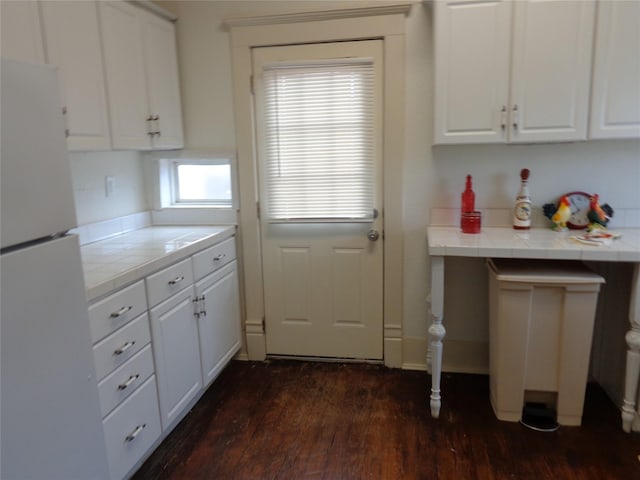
(49, 407)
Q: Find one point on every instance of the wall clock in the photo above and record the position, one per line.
(579, 203)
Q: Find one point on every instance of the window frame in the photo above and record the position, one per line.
(160, 168)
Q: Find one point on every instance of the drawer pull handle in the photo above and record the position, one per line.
(219, 257)
(121, 312)
(176, 280)
(132, 436)
(124, 348)
(131, 379)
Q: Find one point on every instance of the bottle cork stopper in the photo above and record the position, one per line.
(524, 174)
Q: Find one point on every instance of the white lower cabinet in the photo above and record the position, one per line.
(126, 380)
(174, 330)
(132, 428)
(157, 342)
(218, 320)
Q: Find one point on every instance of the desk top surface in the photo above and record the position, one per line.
(505, 242)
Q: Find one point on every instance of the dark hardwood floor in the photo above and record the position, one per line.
(299, 420)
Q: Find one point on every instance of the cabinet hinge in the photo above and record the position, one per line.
(258, 209)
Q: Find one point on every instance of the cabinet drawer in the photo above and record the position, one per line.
(132, 428)
(213, 258)
(116, 310)
(117, 386)
(167, 282)
(120, 346)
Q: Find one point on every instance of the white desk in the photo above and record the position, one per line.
(536, 243)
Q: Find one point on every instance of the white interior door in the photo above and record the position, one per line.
(322, 241)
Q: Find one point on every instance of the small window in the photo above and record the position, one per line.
(192, 178)
(202, 182)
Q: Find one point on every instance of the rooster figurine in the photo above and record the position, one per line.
(558, 215)
(598, 215)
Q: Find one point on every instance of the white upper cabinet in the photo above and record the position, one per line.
(21, 31)
(512, 71)
(615, 102)
(142, 78)
(551, 70)
(471, 70)
(162, 81)
(72, 41)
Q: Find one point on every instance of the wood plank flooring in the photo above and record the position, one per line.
(303, 420)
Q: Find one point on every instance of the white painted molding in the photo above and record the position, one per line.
(353, 24)
(155, 8)
(315, 16)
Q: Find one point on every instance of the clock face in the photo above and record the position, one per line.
(579, 204)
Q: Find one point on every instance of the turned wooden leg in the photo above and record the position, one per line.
(633, 355)
(436, 332)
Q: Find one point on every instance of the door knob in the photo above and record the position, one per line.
(373, 235)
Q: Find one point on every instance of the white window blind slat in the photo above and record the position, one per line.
(319, 141)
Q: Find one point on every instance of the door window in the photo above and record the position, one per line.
(319, 140)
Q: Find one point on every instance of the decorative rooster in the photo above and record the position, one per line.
(558, 215)
(598, 215)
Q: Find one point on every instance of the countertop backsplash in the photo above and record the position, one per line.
(93, 232)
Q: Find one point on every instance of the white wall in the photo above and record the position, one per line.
(88, 172)
(433, 177)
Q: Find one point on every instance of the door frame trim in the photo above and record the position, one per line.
(315, 27)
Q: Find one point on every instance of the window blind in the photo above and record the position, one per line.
(319, 141)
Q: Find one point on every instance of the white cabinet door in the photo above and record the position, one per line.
(162, 81)
(73, 45)
(218, 320)
(21, 31)
(174, 333)
(142, 78)
(126, 83)
(472, 45)
(615, 104)
(551, 65)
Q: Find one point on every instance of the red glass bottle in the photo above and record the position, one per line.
(467, 204)
(468, 197)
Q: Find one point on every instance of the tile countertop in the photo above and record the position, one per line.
(118, 261)
(505, 242)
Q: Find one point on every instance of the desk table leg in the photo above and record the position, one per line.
(629, 416)
(436, 331)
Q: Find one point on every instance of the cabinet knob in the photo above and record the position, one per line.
(515, 117)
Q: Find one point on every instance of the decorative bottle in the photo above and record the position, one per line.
(468, 197)
(522, 209)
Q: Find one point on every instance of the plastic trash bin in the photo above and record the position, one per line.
(541, 316)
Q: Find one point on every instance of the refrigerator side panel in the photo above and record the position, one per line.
(36, 190)
(51, 422)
